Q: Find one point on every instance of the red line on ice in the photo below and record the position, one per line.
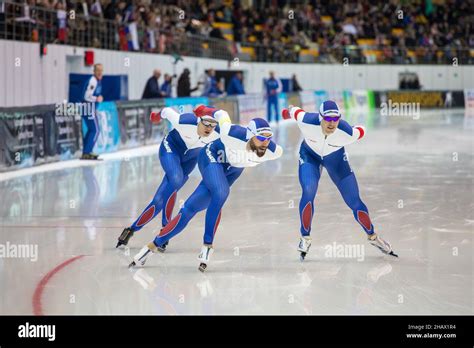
(37, 295)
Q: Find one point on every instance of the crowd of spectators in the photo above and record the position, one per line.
(211, 85)
(277, 29)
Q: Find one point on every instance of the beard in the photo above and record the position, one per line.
(259, 150)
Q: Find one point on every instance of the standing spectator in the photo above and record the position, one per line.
(273, 87)
(210, 85)
(235, 86)
(62, 22)
(166, 87)
(152, 88)
(92, 95)
(184, 84)
(296, 85)
(2, 20)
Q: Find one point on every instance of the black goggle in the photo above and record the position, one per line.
(209, 124)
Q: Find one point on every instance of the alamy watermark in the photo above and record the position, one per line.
(37, 331)
(24, 251)
(73, 109)
(234, 156)
(400, 109)
(350, 251)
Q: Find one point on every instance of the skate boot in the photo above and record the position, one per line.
(127, 233)
(204, 256)
(162, 248)
(381, 244)
(303, 247)
(90, 156)
(141, 257)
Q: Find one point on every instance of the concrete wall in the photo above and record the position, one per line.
(28, 79)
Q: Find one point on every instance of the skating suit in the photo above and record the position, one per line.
(178, 155)
(220, 163)
(319, 151)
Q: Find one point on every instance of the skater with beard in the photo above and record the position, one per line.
(220, 163)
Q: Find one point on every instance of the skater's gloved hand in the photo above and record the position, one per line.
(361, 131)
(155, 117)
(285, 113)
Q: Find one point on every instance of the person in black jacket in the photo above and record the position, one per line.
(152, 87)
(184, 84)
(296, 85)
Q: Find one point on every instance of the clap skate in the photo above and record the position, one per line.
(204, 256)
(141, 257)
(125, 236)
(162, 248)
(381, 244)
(303, 246)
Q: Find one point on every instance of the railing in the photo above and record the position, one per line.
(42, 25)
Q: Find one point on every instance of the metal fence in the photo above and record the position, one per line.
(45, 26)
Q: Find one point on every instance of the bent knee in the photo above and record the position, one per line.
(176, 180)
(221, 196)
(309, 189)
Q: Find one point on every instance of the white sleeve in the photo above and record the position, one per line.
(170, 115)
(224, 121)
(90, 89)
(277, 154)
(358, 133)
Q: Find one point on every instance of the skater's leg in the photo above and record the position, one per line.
(165, 196)
(350, 193)
(218, 184)
(341, 174)
(199, 200)
(170, 199)
(153, 208)
(309, 175)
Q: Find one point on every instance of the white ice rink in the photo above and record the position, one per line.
(415, 176)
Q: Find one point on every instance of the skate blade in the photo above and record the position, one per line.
(302, 256)
(160, 249)
(391, 253)
(202, 267)
(132, 264)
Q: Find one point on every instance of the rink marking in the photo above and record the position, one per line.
(37, 295)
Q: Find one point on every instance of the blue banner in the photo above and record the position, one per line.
(109, 128)
(187, 104)
(319, 97)
(282, 102)
(114, 87)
